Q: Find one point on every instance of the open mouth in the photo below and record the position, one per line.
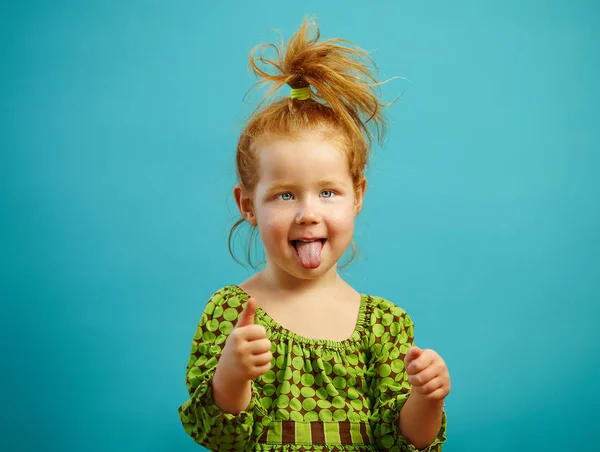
(296, 242)
(309, 252)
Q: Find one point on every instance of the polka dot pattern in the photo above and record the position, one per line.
(360, 381)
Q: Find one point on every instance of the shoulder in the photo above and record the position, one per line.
(380, 311)
(229, 295)
(226, 303)
(381, 306)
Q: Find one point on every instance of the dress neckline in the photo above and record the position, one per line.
(356, 336)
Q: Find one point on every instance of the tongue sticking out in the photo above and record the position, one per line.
(309, 253)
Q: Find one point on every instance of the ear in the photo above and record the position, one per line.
(359, 195)
(244, 204)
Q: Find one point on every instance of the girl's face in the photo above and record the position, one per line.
(304, 204)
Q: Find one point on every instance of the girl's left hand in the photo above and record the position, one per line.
(427, 373)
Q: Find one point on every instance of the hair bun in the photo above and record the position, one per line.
(339, 73)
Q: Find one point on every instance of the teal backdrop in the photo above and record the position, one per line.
(119, 121)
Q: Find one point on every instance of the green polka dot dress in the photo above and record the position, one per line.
(319, 395)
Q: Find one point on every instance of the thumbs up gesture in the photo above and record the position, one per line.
(247, 352)
(427, 373)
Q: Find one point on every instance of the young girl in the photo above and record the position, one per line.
(295, 359)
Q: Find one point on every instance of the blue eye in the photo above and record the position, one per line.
(327, 194)
(285, 196)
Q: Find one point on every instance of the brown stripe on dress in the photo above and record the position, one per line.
(317, 432)
(263, 437)
(345, 436)
(288, 432)
(363, 433)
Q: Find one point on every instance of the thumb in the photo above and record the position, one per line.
(247, 316)
(412, 354)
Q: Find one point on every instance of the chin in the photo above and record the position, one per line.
(313, 273)
(300, 272)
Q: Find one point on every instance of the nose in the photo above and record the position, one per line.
(307, 214)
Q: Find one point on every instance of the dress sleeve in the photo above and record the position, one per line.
(392, 334)
(201, 417)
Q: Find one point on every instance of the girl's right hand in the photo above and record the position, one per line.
(247, 353)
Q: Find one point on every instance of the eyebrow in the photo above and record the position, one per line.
(332, 182)
(284, 186)
(280, 186)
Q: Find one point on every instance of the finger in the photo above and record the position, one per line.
(262, 359)
(247, 316)
(251, 333)
(260, 370)
(431, 385)
(423, 377)
(412, 354)
(422, 362)
(439, 394)
(259, 346)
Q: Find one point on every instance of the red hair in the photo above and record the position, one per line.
(343, 100)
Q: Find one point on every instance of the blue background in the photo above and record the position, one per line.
(118, 127)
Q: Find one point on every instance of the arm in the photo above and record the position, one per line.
(420, 420)
(246, 356)
(402, 418)
(231, 396)
(421, 417)
(207, 416)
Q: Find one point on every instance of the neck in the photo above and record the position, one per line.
(284, 282)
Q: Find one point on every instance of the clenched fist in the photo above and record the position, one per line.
(247, 352)
(427, 373)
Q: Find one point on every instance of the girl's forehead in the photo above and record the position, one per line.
(310, 152)
(310, 149)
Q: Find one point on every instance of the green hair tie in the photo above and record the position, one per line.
(301, 93)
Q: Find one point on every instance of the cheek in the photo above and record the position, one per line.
(342, 221)
(275, 222)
